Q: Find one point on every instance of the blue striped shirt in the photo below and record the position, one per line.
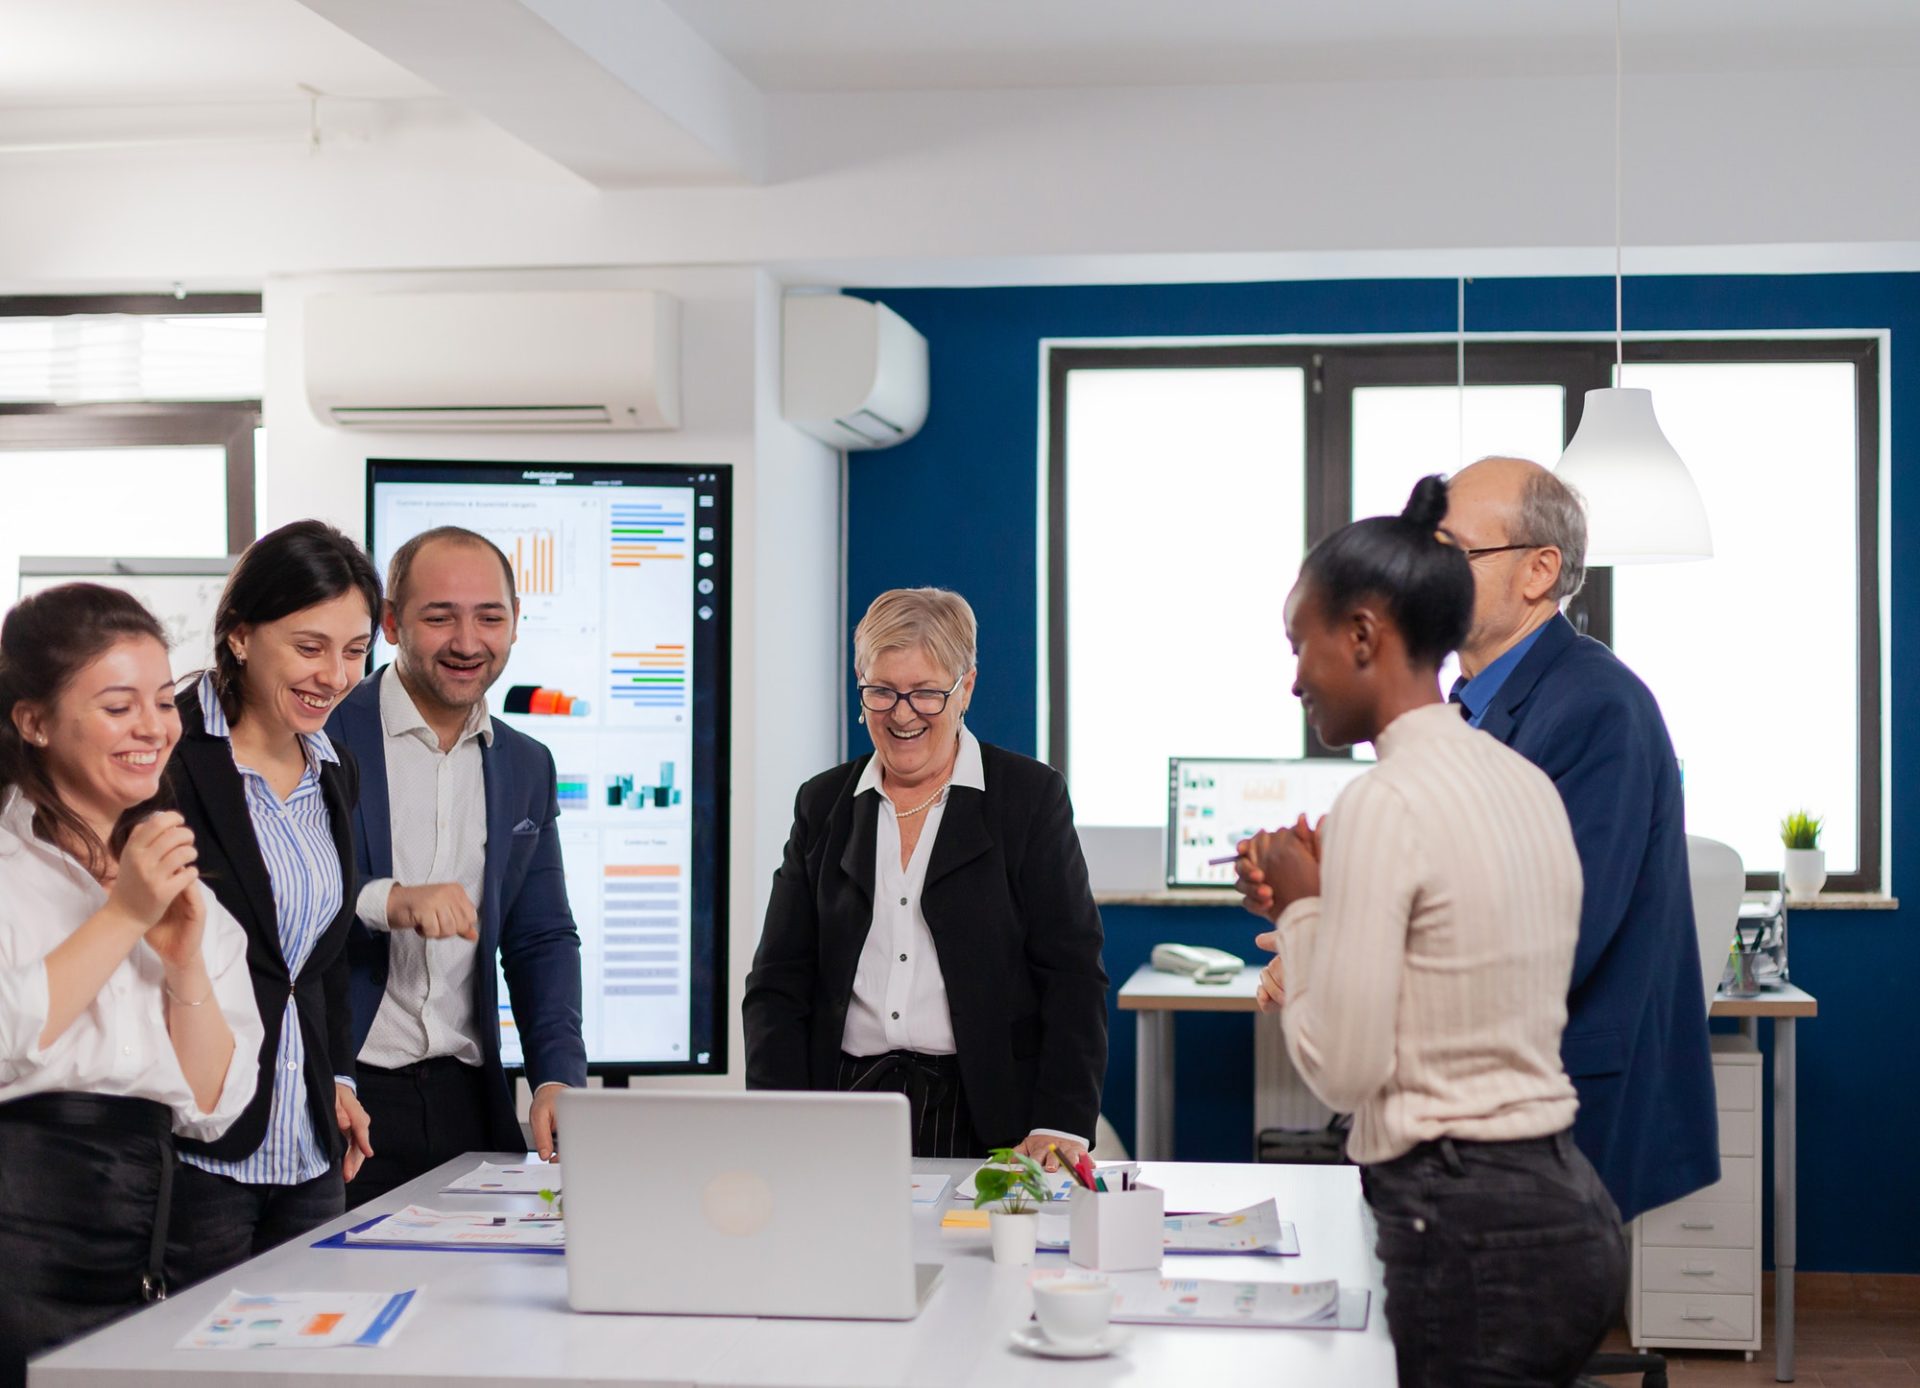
(296, 842)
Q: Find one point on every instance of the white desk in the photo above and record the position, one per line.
(1155, 998)
(500, 1319)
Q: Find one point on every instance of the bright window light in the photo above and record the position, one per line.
(1754, 654)
(1404, 433)
(1185, 523)
(93, 357)
(138, 503)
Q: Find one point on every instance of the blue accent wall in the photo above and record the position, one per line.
(958, 505)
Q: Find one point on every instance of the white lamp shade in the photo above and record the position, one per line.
(1642, 504)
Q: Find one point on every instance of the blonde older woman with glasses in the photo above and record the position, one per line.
(931, 931)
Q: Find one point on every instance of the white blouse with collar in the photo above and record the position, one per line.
(118, 1045)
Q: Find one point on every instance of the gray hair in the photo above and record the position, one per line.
(1552, 514)
(935, 620)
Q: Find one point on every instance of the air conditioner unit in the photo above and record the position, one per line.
(574, 359)
(854, 373)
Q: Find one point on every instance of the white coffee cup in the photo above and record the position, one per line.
(1073, 1312)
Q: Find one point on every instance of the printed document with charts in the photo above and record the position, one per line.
(303, 1320)
(417, 1226)
(1145, 1298)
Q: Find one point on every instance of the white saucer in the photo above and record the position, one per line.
(1031, 1338)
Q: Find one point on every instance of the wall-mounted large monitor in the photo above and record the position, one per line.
(621, 669)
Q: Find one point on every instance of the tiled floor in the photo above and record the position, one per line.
(1851, 1331)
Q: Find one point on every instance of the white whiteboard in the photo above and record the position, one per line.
(183, 593)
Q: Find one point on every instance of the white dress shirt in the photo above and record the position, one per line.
(118, 1045)
(437, 812)
(899, 994)
(899, 998)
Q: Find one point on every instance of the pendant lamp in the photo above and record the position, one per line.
(1642, 504)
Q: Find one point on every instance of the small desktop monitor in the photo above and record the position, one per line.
(1214, 802)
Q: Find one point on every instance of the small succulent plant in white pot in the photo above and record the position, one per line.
(1805, 870)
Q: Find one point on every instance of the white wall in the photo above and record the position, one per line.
(785, 558)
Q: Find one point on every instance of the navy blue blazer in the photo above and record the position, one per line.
(524, 917)
(1636, 1039)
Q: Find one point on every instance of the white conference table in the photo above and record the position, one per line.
(501, 1319)
(1155, 998)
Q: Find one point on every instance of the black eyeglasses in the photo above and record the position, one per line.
(1494, 549)
(879, 698)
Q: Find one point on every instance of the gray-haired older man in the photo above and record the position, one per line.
(1635, 1045)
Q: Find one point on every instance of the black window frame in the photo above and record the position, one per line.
(1334, 372)
(225, 424)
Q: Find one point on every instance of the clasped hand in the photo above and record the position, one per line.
(1275, 869)
(156, 887)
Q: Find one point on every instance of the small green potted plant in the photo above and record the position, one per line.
(1015, 1186)
(1805, 871)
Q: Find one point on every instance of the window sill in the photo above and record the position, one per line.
(1225, 896)
(1167, 896)
(1837, 901)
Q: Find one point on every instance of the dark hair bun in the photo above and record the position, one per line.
(1427, 505)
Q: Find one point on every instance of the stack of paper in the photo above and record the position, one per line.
(1147, 1299)
(1190, 1301)
(1258, 1229)
(419, 1227)
(522, 1178)
(302, 1320)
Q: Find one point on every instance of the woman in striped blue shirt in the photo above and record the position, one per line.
(270, 800)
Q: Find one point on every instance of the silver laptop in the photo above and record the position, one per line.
(762, 1204)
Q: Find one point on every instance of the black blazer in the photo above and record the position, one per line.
(208, 791)
(1014, 925)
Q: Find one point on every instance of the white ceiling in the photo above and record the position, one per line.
(871, 45)
(156, 52)
(102, 52)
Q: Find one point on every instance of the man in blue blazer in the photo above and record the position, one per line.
(458, 857)
(1636, 1039)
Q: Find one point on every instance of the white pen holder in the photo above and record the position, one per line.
(1116, 1230)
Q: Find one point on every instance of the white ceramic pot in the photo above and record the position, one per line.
(1014, 1236)
(1806, 871)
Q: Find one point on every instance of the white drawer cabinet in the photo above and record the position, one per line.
(1696, 1262)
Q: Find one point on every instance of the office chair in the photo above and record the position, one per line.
(1718, 878)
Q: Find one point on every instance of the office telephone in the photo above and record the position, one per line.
(1202, 964)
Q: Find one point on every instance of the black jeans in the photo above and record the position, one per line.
(83, 1194)
(420, 1115)
(218, 1222)
(1505, 1261)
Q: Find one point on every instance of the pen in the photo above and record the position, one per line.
(1219, 862)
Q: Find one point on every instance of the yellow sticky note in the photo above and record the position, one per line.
(964, 1219)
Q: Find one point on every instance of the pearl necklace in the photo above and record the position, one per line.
(899, 813)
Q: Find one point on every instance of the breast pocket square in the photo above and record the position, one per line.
(526, 826)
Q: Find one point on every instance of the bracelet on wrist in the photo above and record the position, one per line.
(183, 1001)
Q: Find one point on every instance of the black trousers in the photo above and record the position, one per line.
(219, 1222)
(937, 1101)
(84, 1188)
(1505, 1261)
(421, 1114)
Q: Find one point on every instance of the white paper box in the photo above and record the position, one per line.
(1119, 1231)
